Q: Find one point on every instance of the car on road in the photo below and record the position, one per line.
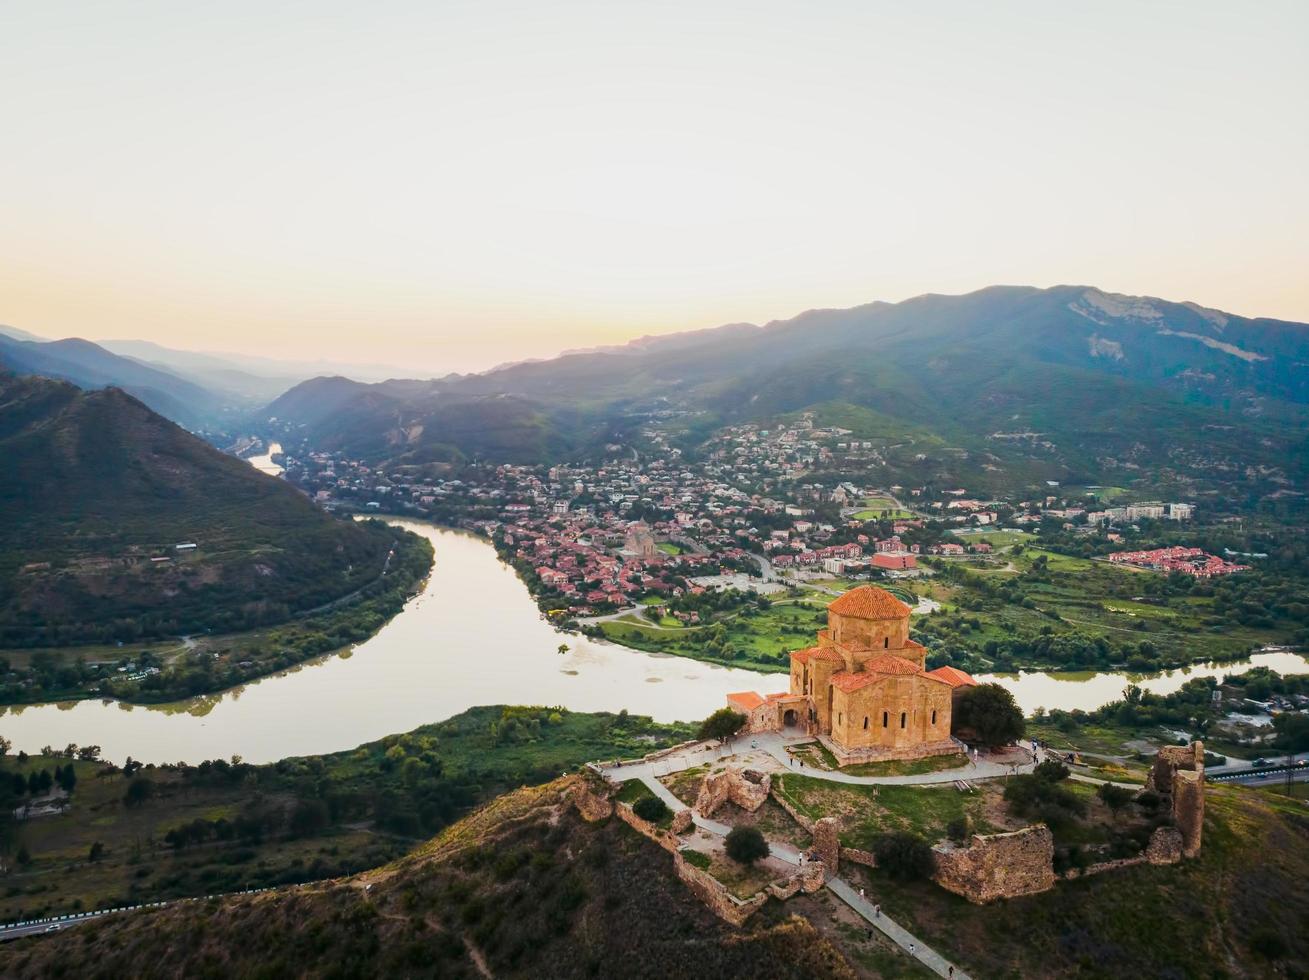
(53, 928)
(1260, 763)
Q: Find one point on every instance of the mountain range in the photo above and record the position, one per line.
(199, 390)
(97, 493)
(1002, 387)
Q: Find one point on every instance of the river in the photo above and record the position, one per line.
(264, 462)
(473, 636)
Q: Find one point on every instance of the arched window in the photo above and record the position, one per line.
(885, 719)
(886, 643)
(933, 716)
(840, 718)
(902, 719)
(865, 722)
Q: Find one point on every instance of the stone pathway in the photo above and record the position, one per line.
(899, 935)
(786, 853)
(773, 746)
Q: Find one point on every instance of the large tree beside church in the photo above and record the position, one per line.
(988, 715)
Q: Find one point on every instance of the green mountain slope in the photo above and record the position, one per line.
(95, 487)
(1064, 383)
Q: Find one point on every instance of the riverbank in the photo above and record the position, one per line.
(471, 636)
(164, 671)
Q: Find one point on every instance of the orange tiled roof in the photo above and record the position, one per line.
(849, 680)
(747, 700)
(953, 676)
(888, 663)
(869, 602)
(818, 653)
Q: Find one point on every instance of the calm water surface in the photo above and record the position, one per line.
(264, 463)
(472, 637)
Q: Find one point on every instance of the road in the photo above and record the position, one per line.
(57, 923)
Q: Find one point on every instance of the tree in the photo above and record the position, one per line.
(989, 714)
(722, 724)
(1292, 730)
(68, 779)
(745, 845)
(1115, 797)
(562, 649)
(1051, 771)
(650, 808)
(904, 856)
(138, 791)
(97, 852)
(23, 856)
(5, 746)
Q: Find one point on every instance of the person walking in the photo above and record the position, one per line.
(913, 950)
(877, 911)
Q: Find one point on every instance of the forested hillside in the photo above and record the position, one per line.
(116, 524)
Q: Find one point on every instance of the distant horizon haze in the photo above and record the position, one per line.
(448, 187)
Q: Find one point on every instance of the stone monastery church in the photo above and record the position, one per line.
(864, 690)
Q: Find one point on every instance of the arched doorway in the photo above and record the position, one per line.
(790, 719)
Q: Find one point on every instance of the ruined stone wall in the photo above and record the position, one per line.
(826, 844)
(856, 856)
(683, 820)
(808, 879)
(590, 797)
(1188, 808)
(747, 788)
(664, 838)
(714, 893)
(1178, 775)
(1103, 866)
(1165, 846)
(1171, 759)
(998, 866)
(804, 821)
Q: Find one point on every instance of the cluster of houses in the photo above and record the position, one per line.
(1190, 561)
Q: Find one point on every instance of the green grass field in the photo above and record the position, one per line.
(1044, 593)
(865, 812)
(758, 639)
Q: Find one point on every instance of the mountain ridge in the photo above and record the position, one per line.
(1112, 382)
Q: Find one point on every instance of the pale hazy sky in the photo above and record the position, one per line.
(449, 185)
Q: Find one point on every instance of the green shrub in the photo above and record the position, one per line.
(650, 808)
(904, 856)
(746, 845)
(960, 829)
(697, 859)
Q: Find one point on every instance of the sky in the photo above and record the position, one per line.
(450, 185)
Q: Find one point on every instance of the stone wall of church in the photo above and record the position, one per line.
(900, 712)
(869, 634)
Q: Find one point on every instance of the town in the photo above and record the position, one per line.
(749, 511)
